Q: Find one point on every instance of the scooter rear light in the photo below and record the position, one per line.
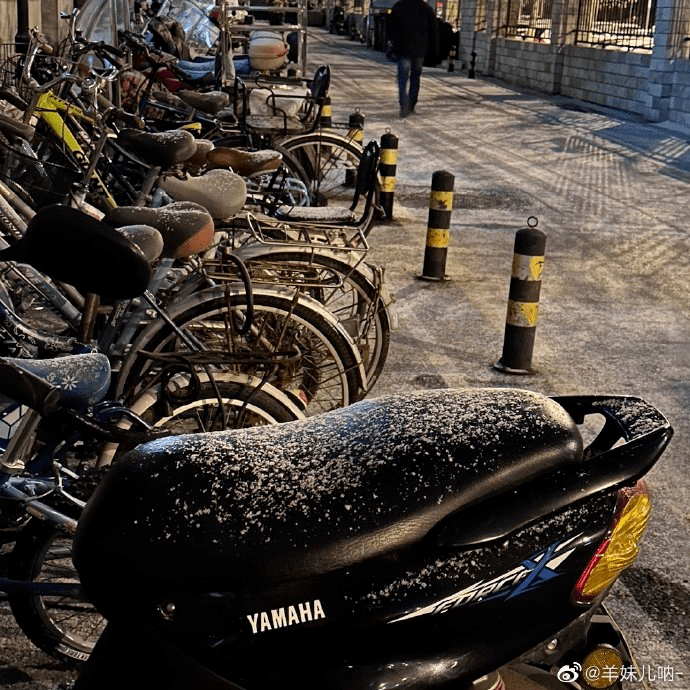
(621, 546)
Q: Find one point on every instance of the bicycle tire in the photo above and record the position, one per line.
(320, 365)
(347, 290)
(68, 628)
(245, 401)
(329, 162)
(65, 628)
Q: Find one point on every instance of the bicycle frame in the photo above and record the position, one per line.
(49, 108)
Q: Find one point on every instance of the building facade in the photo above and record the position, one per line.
(631, 55)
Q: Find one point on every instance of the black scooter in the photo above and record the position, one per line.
(450, 539)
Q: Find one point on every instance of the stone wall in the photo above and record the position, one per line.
(612, 78)
(679, 105)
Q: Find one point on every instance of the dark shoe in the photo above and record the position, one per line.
(404, 113)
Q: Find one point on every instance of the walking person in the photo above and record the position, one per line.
(413, 32)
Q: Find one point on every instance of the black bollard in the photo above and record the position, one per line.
(438, 226)
(451, 59)
(523, 300)
(387, 170)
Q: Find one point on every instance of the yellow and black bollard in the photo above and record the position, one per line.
(356, 134)
(523, 300)
(387, 169)
(356, 125)
(438, 226)
(326, 118)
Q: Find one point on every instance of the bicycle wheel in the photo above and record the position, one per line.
(329, 162)
(294, 344)
(191, 404)
(67, 626)
(347, 286)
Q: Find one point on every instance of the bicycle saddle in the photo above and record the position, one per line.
(146, 237)
(72, 381)
(74, 248)
(221, 192)
(302, 499)
(198, 158)
(186, 228)
(159, 148)
(245, 163)
(210, 102)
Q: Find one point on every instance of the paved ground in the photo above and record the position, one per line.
(611, 193)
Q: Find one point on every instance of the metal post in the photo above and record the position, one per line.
(523, 300)
(22, 37)
(387, 169)
(438, 226)
(451, 59)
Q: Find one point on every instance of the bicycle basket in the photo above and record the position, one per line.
(41, 172)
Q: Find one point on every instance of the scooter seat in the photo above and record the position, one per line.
(263, 505)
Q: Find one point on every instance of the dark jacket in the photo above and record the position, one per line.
(412, 29)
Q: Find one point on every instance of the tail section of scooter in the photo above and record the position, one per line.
(459, 539)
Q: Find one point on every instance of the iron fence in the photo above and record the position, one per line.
(528, 19)
(627, 24)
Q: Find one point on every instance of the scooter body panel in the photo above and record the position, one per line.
(343, 552)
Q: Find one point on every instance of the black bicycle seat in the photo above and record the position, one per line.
(74, 248)
(159, 148)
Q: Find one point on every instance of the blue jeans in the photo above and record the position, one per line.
(409, 70)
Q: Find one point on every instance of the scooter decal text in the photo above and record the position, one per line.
(286, 615)
(528, 575)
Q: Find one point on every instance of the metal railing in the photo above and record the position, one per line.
(627, 24)
(528, 19)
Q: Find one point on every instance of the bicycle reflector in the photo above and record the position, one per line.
(621, 546)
